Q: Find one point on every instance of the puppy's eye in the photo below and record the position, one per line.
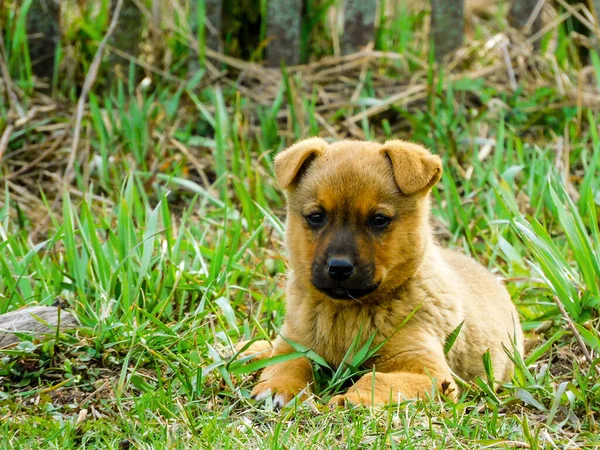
(316, 220)
(379, 221)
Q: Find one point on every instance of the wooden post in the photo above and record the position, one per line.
(594, 6)
(128, 33)
(43, 30)
(578, 27)
(213, 14)
(447, 26)
(213, 11)
(359, 24)
(284, 21)
(520, 13)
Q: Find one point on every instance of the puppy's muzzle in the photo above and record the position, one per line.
(340, 278)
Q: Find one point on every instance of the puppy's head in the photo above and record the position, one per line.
(358, 212)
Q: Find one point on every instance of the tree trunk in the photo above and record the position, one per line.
(578, 27)
(594, 6)
(520, 13)
(128, 33)
(43, 29)
(284, 21)
(359, 24)
(447, 26)
(213, 11)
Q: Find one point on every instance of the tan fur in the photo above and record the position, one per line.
(350, 180)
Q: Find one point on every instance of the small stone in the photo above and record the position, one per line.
(35, 320)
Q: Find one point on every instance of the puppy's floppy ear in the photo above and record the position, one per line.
(415, 169)
(290, 163)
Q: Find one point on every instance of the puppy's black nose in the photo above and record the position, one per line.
(339, 269)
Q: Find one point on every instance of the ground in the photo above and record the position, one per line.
(164, 238)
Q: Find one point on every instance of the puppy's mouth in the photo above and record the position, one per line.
(342, 293)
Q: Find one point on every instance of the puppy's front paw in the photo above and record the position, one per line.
(257, 350)
(283, 390)
(357, 397)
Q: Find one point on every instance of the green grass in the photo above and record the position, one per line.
(168, 248)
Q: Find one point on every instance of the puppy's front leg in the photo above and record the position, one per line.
(284, 380)
(402, 378)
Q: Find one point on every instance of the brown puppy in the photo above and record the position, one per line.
(363, 257)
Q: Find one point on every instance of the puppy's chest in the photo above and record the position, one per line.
(333, 330)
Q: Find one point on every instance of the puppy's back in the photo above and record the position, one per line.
(490, 314)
